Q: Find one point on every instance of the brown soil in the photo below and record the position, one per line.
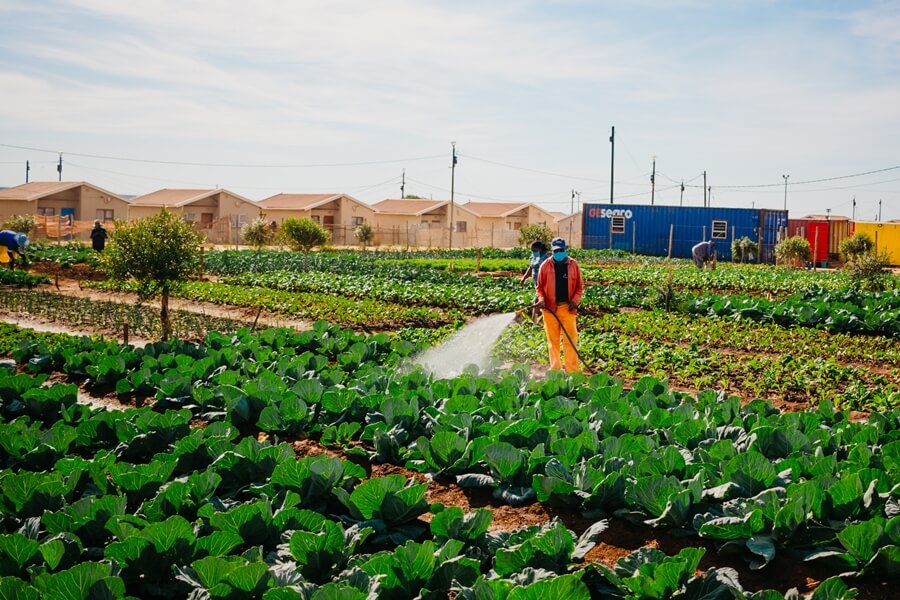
(78, 271)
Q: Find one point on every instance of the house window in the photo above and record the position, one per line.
(517, 226)
(357, 221)
(316, 219)
(237, 220)
(618, 224)
(105, 214)
(720, 230)
(461, 226)
(47, 212)
(188, 217)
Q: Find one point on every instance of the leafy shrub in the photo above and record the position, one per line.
(302, 234)
(742, 249)
(537, 231)
(792, 250)
(856, 245)
(364, 234)
(20, 223)
(257, 233)
(868, 271)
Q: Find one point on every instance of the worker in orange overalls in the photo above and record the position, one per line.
(559, 292)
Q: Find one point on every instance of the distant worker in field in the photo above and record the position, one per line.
(704, 252)
(98, 236)
(11, 245)
(538, 255)
(559, 291)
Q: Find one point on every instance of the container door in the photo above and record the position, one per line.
(817, 235)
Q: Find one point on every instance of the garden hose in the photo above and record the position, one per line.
(565, 331)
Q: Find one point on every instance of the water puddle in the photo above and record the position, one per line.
(471, 345)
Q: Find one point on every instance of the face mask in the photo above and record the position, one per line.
(560, 256)
(536, 254)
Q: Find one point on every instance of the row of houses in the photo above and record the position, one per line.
(67, 210)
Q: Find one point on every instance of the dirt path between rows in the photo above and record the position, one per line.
(72, 287)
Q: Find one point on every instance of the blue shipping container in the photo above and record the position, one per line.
(674, 230)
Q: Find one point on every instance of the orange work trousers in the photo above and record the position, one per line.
(554, 334)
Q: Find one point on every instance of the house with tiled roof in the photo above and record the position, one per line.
(423, 223)
(62, 209)
(339, 214)
(217, 213)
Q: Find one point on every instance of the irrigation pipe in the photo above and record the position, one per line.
(566, 332)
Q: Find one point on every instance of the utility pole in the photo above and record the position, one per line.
(879, 210)
(572, 207)
(612, 162)
(403, 185)
(59, 166)
(27, 170)
(785, 190)
(853, 218)
(704, 189)
(709, 189)
(653, 183)
(681, 199)
(452, 189)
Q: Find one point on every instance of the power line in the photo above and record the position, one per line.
(811, 180)
(550, 173)
(228, 165)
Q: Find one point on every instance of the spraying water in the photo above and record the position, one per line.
(471, 345)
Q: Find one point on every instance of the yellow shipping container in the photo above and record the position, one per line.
(885, 235)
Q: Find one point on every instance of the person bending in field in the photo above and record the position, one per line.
(11, 246)
(559, 290)
(704, 252)
(538, 255)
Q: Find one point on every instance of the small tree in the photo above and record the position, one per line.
(793, 250)
(532, 233)
(302, 234)
(257, 233)
(855, 246)
(20, 223)
(158, 253)
(742, 249)
(364, 234)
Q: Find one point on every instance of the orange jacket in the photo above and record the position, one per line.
(546, 283)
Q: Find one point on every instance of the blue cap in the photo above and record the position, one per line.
(22, 240)
(558, 243)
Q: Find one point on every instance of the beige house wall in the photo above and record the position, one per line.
(93, 200)
(10, 208)
(539, 216)
(569, 228)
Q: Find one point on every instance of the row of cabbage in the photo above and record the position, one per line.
(812, 484)
(136, 503)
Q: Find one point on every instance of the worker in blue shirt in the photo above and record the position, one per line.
(538, 255)
(11, 246)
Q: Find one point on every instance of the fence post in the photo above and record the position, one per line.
(610, 233)
(202, 252)
(815, 256)
(671, 234)
(633, 237)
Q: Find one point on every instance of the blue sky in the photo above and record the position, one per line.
(341, 96)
